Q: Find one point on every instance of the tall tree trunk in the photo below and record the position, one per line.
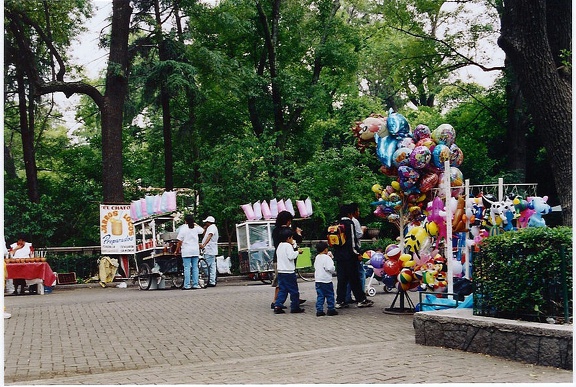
(165, 101)
(518, 123)
(113, 106)
(548, 92)
(27, 132)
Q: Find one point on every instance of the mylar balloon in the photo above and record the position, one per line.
(427, 142)
(440, 154)
(388, 171)
(420, 157)
(428, 181)
(456, 155)
(401, 157)
(444, 134)
(420, 132)
(406, 142)
(385, 147)
(397, 125)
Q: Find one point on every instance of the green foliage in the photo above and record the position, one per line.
(520, 274)
(85, 266)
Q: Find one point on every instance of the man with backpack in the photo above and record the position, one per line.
(346, 256)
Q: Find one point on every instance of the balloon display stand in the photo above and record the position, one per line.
(406, 304)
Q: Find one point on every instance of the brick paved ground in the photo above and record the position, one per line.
(228, 335)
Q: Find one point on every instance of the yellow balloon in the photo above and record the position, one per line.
(377, 189)
(395, 185)
(432, 228)
(405, 257)
(409, 263)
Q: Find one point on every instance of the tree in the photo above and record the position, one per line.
(110, 103)
(536, 36)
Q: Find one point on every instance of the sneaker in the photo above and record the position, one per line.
(299, 310)
(211, 285)
(273, 305)
(332, 312)
(278, 311)
(7, 315)
(366, 303)
(320, 314)
(301, 301)
(196, 287)
(340, 305)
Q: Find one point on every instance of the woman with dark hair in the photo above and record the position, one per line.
(284, 219)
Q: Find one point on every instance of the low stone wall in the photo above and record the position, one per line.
(535, 343)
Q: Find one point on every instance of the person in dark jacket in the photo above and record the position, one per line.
(346, 258)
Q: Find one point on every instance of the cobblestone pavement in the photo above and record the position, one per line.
(228, 335)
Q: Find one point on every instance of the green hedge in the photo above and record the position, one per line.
(525, 274)
(85, 266)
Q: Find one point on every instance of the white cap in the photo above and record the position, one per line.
(209, 219)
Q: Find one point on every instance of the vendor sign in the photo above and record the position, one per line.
(116, 230)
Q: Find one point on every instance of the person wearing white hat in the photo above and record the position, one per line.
(210, 246)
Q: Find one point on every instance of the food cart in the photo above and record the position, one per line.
(156, 262)
(256, 250)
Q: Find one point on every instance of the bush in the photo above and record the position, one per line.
(85, 266)
(525, 274)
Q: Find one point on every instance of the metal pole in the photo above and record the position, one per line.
(448, 248)
(467, 246)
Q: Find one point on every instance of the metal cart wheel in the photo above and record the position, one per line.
(178, 280)
(267, 277)
(203, 273)
(144, 277)
(267, 274)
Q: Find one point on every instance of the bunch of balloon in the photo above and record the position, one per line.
(398, 207)
(416, 159)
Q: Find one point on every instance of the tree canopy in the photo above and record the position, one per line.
(246, 100)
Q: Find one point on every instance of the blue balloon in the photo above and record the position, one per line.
(397, 125)
(385, 148)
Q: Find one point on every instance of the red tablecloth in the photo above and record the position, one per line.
(32, 270)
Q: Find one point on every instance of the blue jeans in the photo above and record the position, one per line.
(211, 261)
(288, 284)
(362, 275)
(187, 262)
(324, 291)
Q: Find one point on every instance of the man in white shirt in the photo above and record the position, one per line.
(210, 246)
(189, 247)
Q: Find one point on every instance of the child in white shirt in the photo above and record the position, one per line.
(286, 254)
(324, 268)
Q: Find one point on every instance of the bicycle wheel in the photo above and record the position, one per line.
(302, 276)
(144, 275)
(203, 273)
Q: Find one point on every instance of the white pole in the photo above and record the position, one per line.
(448, 247)
(500, 189)
(466, 246)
